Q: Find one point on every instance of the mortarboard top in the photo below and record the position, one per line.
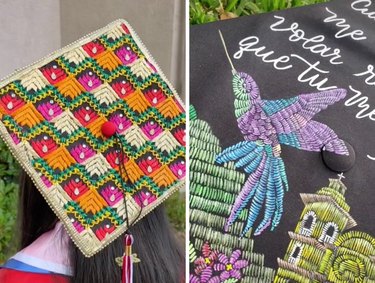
(93, 123)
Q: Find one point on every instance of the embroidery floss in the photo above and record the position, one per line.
(328, 253)
(265, 125)
(213, 189)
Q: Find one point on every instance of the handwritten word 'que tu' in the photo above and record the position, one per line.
(311, 75)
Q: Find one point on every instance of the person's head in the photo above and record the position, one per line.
(162, 259)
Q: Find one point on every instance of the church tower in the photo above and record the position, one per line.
(309, 255)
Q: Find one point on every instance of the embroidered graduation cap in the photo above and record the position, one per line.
(287, 108)
(100, 130)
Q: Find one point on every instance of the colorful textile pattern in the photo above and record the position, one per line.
(52, 115)
(216, 256)
(321, 250)
(265, 125)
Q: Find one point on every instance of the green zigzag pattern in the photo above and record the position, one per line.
(119, 104)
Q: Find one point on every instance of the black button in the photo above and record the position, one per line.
(337, 162)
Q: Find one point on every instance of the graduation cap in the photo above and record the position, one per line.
(100, 131)
(311, 79)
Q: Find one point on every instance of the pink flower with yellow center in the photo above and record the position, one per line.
(230, 267)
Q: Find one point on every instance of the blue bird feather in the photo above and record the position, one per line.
(265, 125)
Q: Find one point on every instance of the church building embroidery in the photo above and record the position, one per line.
(321, 249)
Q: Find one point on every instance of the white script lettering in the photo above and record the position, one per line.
(370, 79)
(314, 44)
(312, 78)
(361, 102)
(248, 44)
(361, 6)
(344, 27)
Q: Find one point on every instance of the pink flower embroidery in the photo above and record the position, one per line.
(230, 268)
(204, 264)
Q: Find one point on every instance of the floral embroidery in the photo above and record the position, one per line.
(230, 268)
(215, 267)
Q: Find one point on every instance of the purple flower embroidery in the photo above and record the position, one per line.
(82, 152)
(204, 264)
(121, 122)
(230, 268)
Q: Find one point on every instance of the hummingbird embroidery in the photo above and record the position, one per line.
(265, 125)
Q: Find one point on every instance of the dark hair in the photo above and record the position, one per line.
(162, 259)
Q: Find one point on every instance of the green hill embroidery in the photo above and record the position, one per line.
(215, 255)
(321, 247)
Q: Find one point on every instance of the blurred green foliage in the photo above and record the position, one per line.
(205, 11)
(9, 171)
(176, 210)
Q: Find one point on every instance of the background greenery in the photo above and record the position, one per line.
(205, 11)
(9, 171)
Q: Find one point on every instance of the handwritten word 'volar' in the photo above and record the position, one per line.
(370, 75)
(314, 44)
(344, 27)
(362, 6)
(310, 75)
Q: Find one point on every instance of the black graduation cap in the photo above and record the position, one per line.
(289, 110)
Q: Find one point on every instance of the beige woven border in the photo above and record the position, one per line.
(88, 249)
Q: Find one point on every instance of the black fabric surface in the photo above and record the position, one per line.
(212, 96)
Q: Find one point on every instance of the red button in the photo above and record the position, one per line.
(109, 129)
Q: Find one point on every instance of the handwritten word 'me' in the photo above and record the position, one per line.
(344, 27)
(362, 103)
(362, 6)
(314, 44)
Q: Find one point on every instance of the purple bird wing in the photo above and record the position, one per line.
(313, 137)
(290, 115)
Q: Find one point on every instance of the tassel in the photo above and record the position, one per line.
(127, 260)
(127, 263)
